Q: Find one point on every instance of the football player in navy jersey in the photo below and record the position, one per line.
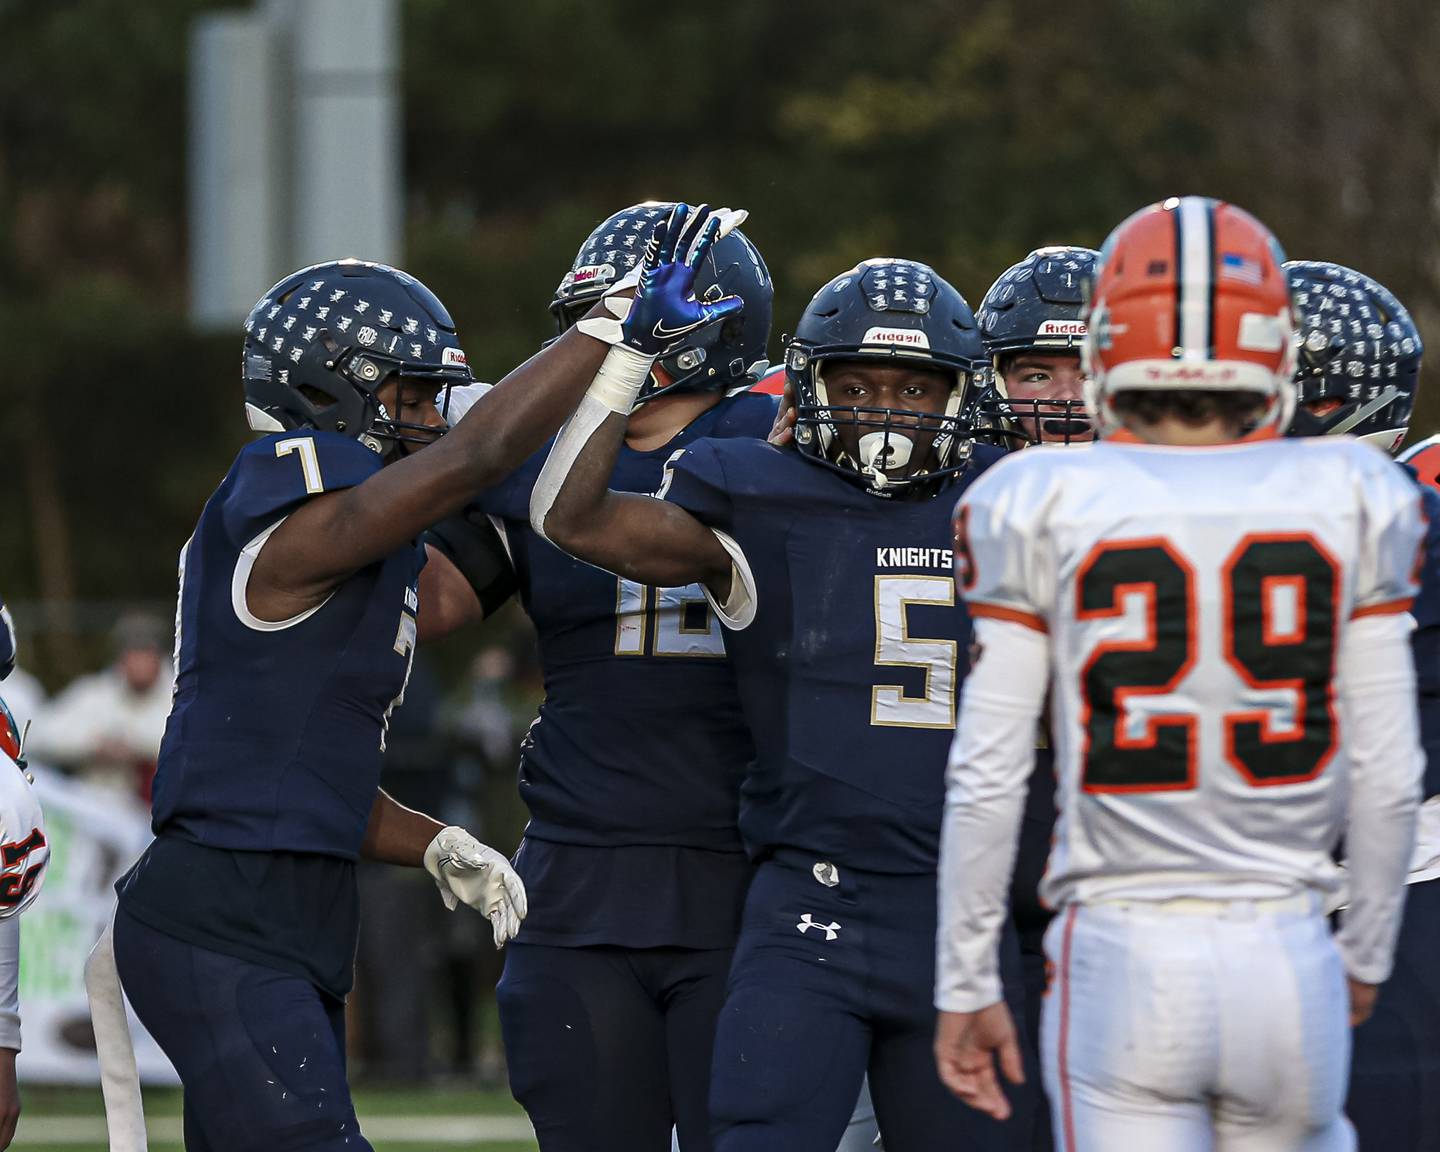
(829, 567)
(1032, 326)
(631, 771)
(1358, 372)
(297, 619)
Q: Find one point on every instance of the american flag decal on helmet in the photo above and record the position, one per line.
(1234, 266)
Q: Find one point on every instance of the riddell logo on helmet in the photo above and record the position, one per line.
(910, 337)
(1062, 328)
(590, 272)
(453, 358)
(1191, 373)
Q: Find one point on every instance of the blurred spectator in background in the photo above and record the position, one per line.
(106, 728)
(25, 696)
(485, 723)
(410, 1021)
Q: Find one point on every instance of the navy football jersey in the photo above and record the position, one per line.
(632, 769)
(275, 738)
(850, 669)
(271, 756)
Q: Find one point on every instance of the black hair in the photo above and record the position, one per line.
(1193, 408)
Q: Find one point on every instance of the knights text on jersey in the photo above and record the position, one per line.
(850, 670)
(1193, 654)
(275, 738)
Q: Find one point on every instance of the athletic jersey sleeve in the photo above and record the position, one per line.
(10, 983)
(695, 480)
(1377, 693)
(1002, 564)
(275, 475)
(1393, 536)
(992, 755)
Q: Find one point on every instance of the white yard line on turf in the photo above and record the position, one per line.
(401, 1129)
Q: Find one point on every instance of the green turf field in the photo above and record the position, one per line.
(394, 1120)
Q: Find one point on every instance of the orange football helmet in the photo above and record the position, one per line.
(1189, 294)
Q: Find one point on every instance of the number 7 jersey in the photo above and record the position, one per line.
(1196, 599)
(274, 740)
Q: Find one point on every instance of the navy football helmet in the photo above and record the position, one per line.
(722, 355)
(7, 642)
(1036, 306)
(324, 340)
(899, 311)
(1359, 349)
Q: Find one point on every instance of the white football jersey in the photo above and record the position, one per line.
(1195, 599)
(24, 849)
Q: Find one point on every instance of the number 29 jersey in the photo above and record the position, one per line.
(1195, 600)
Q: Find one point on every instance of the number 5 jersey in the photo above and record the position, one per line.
(849, 647)
(1195, 600)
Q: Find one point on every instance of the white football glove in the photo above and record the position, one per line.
(466, 870)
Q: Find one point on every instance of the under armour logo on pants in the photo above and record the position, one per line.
(831, 930)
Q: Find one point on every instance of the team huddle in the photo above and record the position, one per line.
(985, 730)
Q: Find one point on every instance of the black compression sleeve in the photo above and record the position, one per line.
(473, 545)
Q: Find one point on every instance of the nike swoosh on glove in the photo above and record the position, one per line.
(466, 871)
(664, 309)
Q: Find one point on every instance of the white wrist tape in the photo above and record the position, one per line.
(608, 329)
(613, 391)
(622, 374)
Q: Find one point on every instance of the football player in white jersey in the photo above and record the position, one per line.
(24, 853)
(1220, 619)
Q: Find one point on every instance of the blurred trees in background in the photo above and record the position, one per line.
(960, 132)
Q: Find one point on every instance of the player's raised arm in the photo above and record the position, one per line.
(637, 537)
(334, 535)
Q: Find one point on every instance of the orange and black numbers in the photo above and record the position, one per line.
(1162, 755)
(1281, 615)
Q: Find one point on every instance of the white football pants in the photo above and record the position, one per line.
(1196, 1025)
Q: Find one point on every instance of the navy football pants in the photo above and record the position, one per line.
(261, 1053)
(827, 983)
(1394, 1099)
(608, 1048)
